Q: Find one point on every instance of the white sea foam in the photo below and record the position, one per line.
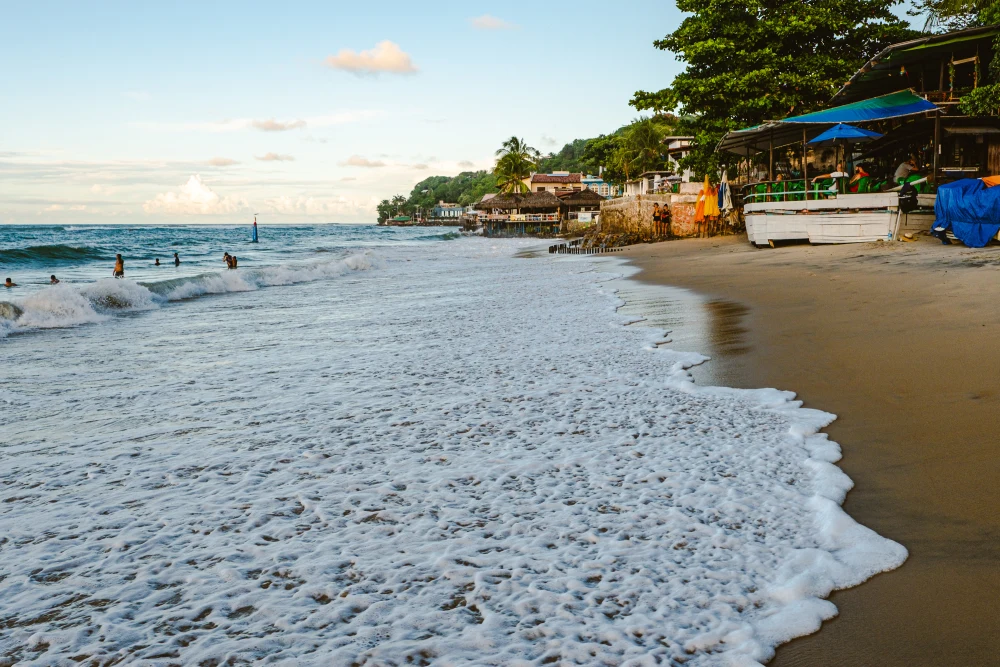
(67, 305)
(462, 459)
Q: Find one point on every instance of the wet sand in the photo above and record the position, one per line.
(902, 342)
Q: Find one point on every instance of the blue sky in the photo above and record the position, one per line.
(307, 111)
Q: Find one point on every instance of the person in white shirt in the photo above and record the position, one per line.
(838, 173)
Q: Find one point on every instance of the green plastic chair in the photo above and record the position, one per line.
(822, 188)
(863, 184)
(797, 189)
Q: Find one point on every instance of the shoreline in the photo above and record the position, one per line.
(895, 339)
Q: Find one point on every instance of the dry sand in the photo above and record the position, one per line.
(902, 342)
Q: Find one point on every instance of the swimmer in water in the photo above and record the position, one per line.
(177, 260)
(235, 261)
(157, 262)
(119, 271)
(53, 280)
(9, 283)
(227, 258)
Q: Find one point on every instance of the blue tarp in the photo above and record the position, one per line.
(970, 210)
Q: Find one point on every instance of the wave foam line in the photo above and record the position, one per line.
(67, 305)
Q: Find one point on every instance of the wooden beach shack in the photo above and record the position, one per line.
(580, 209)
(527, 214)
(910, 95)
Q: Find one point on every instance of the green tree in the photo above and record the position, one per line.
(747, 61)
(515, 162)
(948, 15)
(385, 210)
(398, 204)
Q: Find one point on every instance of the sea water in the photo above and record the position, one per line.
(389, 447)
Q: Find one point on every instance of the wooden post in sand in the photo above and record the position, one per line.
(805, 164)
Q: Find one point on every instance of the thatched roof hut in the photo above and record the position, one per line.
(585, 197)
(528, 201)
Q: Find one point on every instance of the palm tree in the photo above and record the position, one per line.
(645, 145)
(515, 162)
(398, 202)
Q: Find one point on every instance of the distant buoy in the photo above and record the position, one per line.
(254, 238)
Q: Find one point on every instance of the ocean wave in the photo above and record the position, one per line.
(50, 254)
(66, 305)
(445, 236)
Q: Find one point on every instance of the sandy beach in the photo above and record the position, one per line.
(899, 340)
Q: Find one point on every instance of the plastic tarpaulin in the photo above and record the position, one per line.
(970, 209)
(893, 105)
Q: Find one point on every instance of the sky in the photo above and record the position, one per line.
(210, 112)
(207, 112)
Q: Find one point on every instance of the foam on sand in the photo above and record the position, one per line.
(468, 459)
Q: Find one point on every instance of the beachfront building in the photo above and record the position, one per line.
(600, 186)
(557, 181)
(651, 182)
(446, 214)
(901, 105)
(528, 214)
(580, 209)
(678, 147)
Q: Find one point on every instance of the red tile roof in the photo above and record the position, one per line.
(548, 178)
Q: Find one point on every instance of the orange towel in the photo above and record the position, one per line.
(990, 181)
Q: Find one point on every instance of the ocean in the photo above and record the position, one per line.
(389, 446)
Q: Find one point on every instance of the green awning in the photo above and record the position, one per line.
(893, 105)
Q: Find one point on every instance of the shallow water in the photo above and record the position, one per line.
(434, 451)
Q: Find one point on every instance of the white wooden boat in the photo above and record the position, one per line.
(850, 218)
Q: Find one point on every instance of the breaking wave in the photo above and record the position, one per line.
(67, 305)
(50, 254)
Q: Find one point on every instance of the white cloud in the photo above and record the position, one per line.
(421, 166)
(358, 161)
(193, 198)
(274, 157)
(272, 125)
(465, 164)
(385, 57)
(487, 22)
(105, 190)
(221, 162)
(316, 206)
(266, 125)
(138, 95)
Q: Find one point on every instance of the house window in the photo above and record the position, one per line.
(540, 188)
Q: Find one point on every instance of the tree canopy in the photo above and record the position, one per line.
(515, 162)
(747, 61)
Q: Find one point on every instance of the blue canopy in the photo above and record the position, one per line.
(970, 210)
(844, 132)
(893, 105)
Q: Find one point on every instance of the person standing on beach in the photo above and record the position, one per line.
(9, 283)
(119, 271)
(656, 219)
(177, 260)
(53, 280)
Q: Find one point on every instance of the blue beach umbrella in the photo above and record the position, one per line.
(842, 132)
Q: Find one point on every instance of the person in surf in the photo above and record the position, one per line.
(9, 283)
(228, 259)
(53, 280)
(177, 260)
(156, 262)
(119, 271)
(235, 261)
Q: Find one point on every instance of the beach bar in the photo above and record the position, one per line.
(834, 176)
(528, 214)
